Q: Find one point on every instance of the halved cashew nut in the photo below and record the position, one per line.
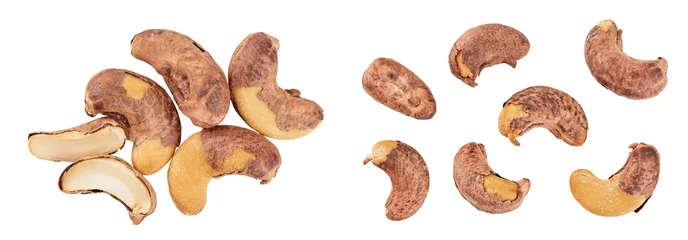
(261, 103)
(621, 74)
(481, 186)
(625, 191)
(543, 106)
(114, 176)
(484, 46)
(213, 153)
(143, 109)
(198, 85)
(409, 176)
(102, 136)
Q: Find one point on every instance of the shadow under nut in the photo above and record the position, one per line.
(615, 70)
(547, 107)
(470, 172)
(484, 46)
(409, 176)
(398, 88)
(197, 83)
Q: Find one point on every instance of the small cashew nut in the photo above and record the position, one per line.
(409, 176)
(481, 186)
(484, 46)
(213, 153)
(618, 72)
(625, 191)
(143, 109)
(261, 103)
(198, 85)
(395, 86)
(543, 106)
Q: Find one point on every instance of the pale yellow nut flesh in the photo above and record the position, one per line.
(510, 112)
(71, 146)
(114, 177)
(258, 115)
(505, 189)
(135, 87)
(190, 173)
(380, 151)
(463, 69)
(150, 155)
(602, 197)
(605, 24)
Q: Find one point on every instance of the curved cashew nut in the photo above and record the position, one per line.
(143, 109)
(625, 191)
(481, 186)
(408, 173)
(618, 72)
(542, 106)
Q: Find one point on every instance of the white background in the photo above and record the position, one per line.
(322, 190)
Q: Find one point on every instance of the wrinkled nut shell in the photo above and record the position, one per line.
(484, 46)
(261, 103)
(623, 192)
(618, 72)
(409, 176)
(198, 84)
(470, 172)
(395, 86)
(547, 107)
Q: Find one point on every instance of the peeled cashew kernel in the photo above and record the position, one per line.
(484, 46)
(398, 88)
(114, 176)
(198, 85)
(102, 136)
(408, 174)
(481, 186)
(543, 106)
(143, 109)
(626, 191)
(213, 153)
(621, 74)
(261, 103)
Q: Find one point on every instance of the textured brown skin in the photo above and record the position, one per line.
(86, 128)
(136, 219)
(395, 86)
(254, 64)
(219, 142)
(552, 109)
(640, 173)
(410, 181)
(153, 116)
(470, 166)
(487, 45)
(621, 74)
(198, 84)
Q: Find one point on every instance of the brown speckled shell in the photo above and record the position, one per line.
(86, 128)
(470, 166)
(197, 83)
(254, 64)
(153, 116)
(640, 174)
(552, 109)
(410, 181)
(620, 73)
(395, 86)
(487, 45)
(220, 141)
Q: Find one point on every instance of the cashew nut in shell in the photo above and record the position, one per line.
(409, 176)
(615, 70)
(543, 106)
(102, 136)
(143, 109)
(198, 85)
(114, 176)
(213, 153)
(261, 103)
(625, 191)
(481, 186)
(484, 46)
(395, 86)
